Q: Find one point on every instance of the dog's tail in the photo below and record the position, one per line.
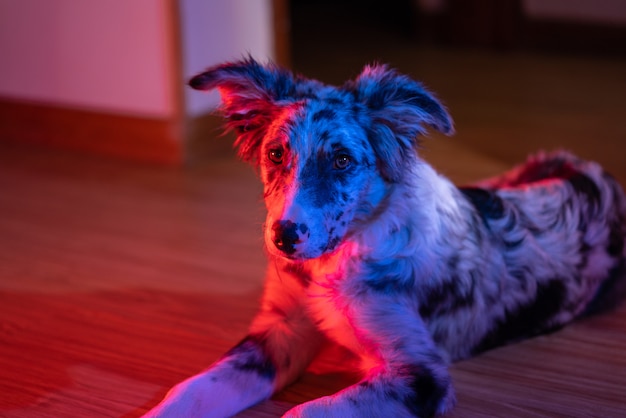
(605, 192)
(542, 166)
(601, 195)
(612, 292)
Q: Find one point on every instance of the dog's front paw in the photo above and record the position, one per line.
(183, 400)
(221, 391)
(318, 408)
(356, 402)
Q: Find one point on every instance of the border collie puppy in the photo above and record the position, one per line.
(370, 247)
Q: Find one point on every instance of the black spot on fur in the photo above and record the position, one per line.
(324, 135)
(427, 393)
(476, 229)
(391, 394)
(488, 204)
(452, 263)
(365, 384)
(611, 292)
(387, 286)
(321, 182)
(332, 243)
(324, 114)
(334, 101)
(448, 297)
(277, 310)
(384, 278)
(583, 185)
(245, 122)
(522, 275)
(377, 99)
(528, 320)
(512, 221)
(298, 271)
(584, 254)
(615, 248)
(250, 356)
(511, 245)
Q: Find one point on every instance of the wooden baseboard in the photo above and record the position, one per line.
(121, 136)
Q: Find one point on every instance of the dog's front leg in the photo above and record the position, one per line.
(243, 377)
(281, 343)
(407, 375)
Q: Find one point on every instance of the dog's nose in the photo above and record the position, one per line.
(285, 236)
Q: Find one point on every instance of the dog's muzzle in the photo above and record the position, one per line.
(287, 234)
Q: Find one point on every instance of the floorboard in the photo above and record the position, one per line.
(118, 280)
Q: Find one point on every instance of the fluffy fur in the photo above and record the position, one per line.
(370, 247)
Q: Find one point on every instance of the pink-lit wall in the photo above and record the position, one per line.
(116, 55)
(103, 55)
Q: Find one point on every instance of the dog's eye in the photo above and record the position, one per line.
(275, 155)
(342, 162)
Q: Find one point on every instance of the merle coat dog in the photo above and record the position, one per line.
(370, 247)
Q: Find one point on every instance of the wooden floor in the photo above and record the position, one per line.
(117, 280)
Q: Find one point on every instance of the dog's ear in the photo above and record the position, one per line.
(399, 109)
(250, 93)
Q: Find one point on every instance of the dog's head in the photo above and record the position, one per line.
(327, 155)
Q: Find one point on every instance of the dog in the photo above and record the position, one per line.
(370, 247)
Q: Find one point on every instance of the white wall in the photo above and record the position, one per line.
(214, 31)
(106, 55)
